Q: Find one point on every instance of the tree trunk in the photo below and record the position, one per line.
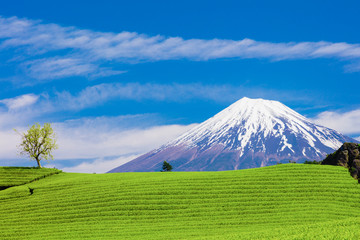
(38, 162)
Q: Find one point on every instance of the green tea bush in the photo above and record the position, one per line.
(312, 162)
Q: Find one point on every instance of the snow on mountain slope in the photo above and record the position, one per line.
(249, 133)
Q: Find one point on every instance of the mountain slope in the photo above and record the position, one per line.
(249, 133)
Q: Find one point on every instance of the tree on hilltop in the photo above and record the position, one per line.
(38, 142)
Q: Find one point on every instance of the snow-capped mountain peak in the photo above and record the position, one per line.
(244, 121)
(248, 133)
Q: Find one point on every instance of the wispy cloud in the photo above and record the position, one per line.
(344, 122)
(98, 94)
(20, 101)
(353, 67)
(78, 52)
(24, 108)
(9, 139)
(58, 67)
(105, 136)
(100, 165)
(97, 144)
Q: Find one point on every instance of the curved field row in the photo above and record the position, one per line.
(14, 176)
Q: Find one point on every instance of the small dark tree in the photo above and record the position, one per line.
(312, 162)
(166, 167)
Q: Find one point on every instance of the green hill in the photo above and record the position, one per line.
(13, 176)
(290, 201)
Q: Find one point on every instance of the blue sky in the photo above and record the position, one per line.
(119, 78)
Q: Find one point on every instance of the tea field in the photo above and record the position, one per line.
(13, 176)
(289, 201)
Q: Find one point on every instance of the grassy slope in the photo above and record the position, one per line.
(13, 176)
(19, 176)
(293, 201)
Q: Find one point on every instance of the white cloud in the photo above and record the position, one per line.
(30, 108)
(110, 140)
(346, 122)
(358, 138)
(9, 140)
(98, 94)
(23, 108)
(78, 52)
(53, 68)
(20, 110)
(58, 68)
(99, 165)
(353, 67)
(93, 140)
(20, 101)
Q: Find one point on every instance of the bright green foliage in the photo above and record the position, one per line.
(166, 167)
(13, 176)
(14, 192)
(288, 201)
(38, 143)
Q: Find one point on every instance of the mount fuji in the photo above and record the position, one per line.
(249, 133)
